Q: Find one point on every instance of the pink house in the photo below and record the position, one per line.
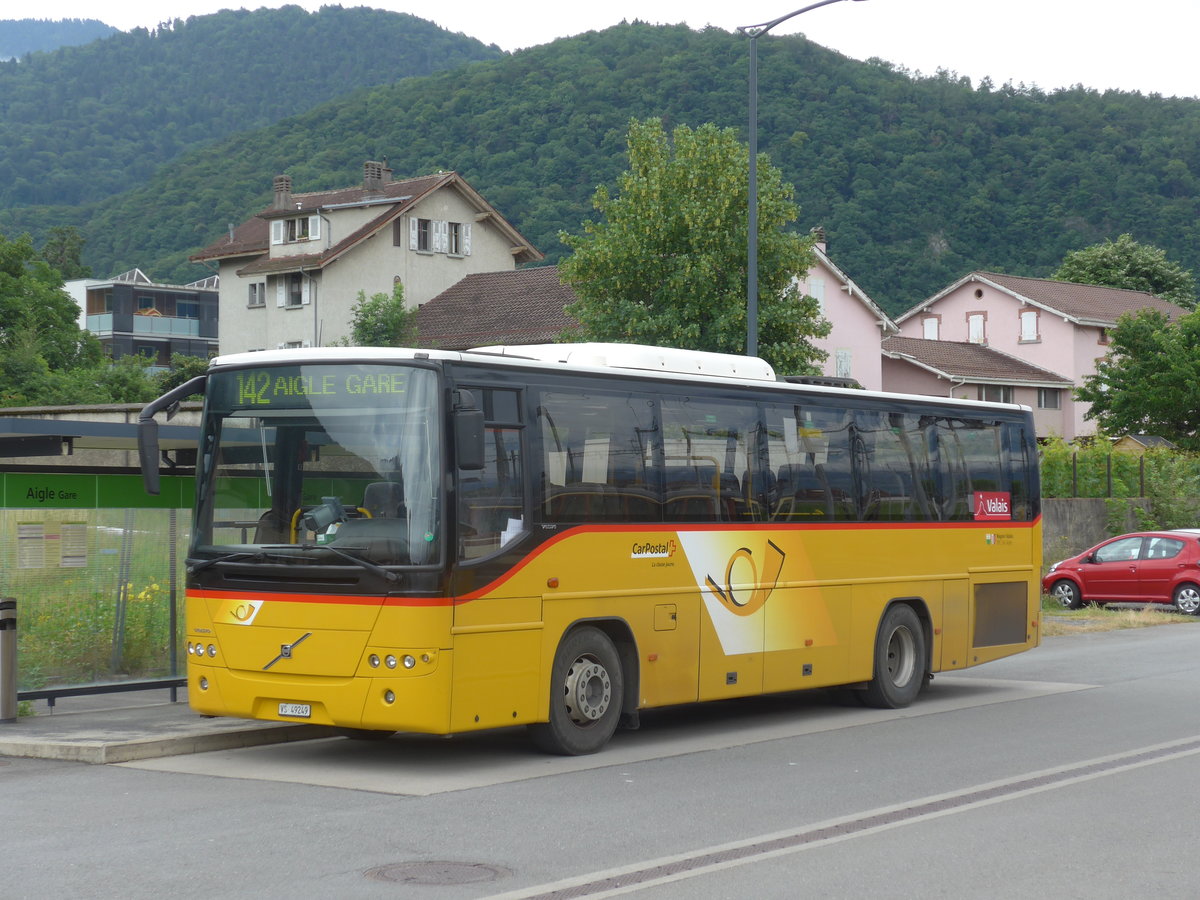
(974, 372)
(1055, 326)
(858, 325)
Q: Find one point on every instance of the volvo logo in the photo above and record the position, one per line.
(285, 650)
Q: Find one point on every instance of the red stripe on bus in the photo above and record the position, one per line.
(633, 528)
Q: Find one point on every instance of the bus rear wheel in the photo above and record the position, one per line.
(586, 690)
(899, 660)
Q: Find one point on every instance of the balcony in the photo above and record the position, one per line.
(165, 326)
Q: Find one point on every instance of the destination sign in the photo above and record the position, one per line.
(298, 387)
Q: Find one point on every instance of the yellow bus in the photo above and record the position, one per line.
(561, 536)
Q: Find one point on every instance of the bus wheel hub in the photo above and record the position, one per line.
(589, 691)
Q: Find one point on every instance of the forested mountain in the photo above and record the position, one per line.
(21, 36)
(86, 122)
(916, 180)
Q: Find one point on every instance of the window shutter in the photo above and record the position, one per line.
(466, 239)
(281, 291)
(314, 227)
(304, 289)
(412, 232)
(277, 231)
(443, 237)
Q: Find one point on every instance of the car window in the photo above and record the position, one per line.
(1124, 549)
(1163, 548)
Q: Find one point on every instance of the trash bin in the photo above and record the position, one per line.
(8, 660)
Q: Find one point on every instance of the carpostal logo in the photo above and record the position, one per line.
(993, 506)
(653, 549)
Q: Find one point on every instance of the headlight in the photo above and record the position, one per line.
(1052, 568)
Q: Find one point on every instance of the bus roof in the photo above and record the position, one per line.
(637, 360)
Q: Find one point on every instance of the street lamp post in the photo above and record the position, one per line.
(753, 32)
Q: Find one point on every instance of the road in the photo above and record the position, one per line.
(1066, 772)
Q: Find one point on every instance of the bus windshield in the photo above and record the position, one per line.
(340, 458)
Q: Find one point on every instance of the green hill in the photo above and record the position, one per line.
(916, 180)
(21, 36)
(83, 123)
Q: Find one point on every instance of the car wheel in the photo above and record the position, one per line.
(1187, 599)
(1067, 594)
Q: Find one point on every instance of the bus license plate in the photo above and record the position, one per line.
(296, 710)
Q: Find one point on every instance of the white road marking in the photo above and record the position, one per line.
(668, 869)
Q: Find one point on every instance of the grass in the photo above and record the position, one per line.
(1093, 618)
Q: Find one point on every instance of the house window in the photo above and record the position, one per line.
(187, 310)
(295, 289)
(1029, 326)
(996, 393)
(300, 228)
(816, 290)
(929, 327)
(420, 235)
(292, 290)
(842, 359)
(1103, 336)
(976, 332)
(438, 236)
(258, 294)
(1049, 398)
(145, 301)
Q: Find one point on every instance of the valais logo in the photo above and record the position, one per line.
(993, 506)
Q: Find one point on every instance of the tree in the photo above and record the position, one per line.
(183, 369)
(63, 249)
(37, 318)
(667, 265)
(1124, 263)
(381, 320)
(1150, 381)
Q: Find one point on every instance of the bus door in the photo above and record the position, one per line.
(497, 619)
(706, 442)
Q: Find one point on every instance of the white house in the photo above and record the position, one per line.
(291, 274)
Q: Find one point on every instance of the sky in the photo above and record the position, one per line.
(1148, 46)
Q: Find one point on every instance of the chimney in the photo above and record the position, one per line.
(373, 176)
(387, 172)
(283, 191)
(819, 234)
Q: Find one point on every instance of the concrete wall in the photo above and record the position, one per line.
(1071, 526)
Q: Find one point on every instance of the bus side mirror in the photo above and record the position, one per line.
(148, 452)
(468, 432)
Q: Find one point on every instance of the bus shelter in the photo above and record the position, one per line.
(94, 563)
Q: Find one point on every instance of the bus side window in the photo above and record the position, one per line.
(597, 458)
(705, 456)
(807, 474)
(491, 499)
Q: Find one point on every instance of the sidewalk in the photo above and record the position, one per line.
(115, 728)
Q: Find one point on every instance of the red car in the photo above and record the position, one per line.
(1146, 567)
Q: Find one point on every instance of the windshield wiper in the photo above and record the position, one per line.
(202, 564)
(259, 555)
(383, 573)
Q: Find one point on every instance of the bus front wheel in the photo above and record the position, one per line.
(899, 660)
(586, 690)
